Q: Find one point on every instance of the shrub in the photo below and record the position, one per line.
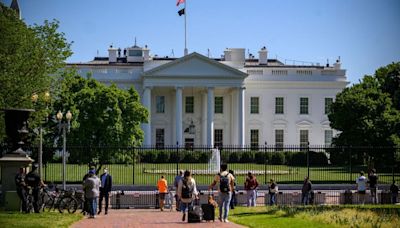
(247, 157)
(234, 157)
(162, 156)
(278, 158)
(262, 157)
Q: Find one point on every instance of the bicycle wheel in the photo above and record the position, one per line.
(73, 205)
(50, 204)
(29, 204)
(64, 204)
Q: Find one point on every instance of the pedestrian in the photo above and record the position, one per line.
(178, 178)
(86, 208)
(225, 182)
(272, 190)
(187, 192)
(21, 188)
(162, 187)
(34, 181)
(105, 189)
(361, 183)
(92, 188)
(373, 185)
(394, 190)
(251, 185)
(233, 202)
(305, 191)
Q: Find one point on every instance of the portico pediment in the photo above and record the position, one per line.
(195, 66)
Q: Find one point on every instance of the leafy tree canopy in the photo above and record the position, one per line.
(102, 115)
(29, 57)
(368, 113)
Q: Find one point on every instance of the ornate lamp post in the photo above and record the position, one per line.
(46, 98)
(64, 126)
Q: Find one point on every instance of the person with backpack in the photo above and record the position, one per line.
(186, 191)
(251, 185)
(305, 191)
(272, 190)
(225, 187)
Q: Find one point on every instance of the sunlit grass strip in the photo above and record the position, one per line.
(46, 219)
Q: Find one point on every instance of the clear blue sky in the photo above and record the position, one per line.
(365, 33)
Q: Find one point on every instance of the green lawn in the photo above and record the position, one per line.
(329, 216)
(141, 173)
(46, 219)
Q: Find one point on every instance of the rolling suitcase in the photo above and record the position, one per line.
(208, 212)
(195, 214)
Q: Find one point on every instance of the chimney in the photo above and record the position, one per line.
(263, 56)
(338, 64)
(227, 54)
(146, 53)
(112, 54)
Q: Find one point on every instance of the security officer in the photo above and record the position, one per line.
(35, 182)
(21, 187)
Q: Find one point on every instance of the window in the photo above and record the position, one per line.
(279, 139)
(303, 138)
(328, 103)
(160, 102)
(160, 138)
(189, 105)
(254, 105)
(279, 105)
(328, 137)
(254, 139)
(218, 105)
(218, 138)
(189, 143)
(137, 53)
(303, 105)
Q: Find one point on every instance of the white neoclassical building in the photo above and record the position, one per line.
(232, 100)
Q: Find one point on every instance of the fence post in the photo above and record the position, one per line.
(308, 159)
(394, 162)
(265, 162)
(177, 158)
(351, 168)
(133, 166)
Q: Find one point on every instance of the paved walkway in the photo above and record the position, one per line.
(146, 218)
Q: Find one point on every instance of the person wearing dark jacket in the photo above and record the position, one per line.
(105, 189)
(21, 188)
(305, 191)
(394, 190)
(34, 181)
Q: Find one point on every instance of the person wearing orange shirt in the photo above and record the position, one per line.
(162, 186)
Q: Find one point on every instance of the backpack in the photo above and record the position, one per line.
(186, 190)
(224, 183)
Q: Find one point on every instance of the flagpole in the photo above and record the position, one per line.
(186, 50)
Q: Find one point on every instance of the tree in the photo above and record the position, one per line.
(368, 113)
(30, 57)
(103, 116)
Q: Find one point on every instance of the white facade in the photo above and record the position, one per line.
(185, 96)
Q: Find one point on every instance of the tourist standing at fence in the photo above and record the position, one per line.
(21, 188)
(233, 202)
(394, 190)
(162, 187)
(373, 185)
(86, 208)
(251, 185)
(225, 187)
(34, 181)
(305, 191)
(178, 178)
(272, 190)
(91, 187)
(186, 191)
(361, 183)
(105, 189)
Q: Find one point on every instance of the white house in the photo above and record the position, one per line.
(230, 100)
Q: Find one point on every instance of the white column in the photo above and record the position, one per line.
(241, 116)
(178, 117)
(210, 116)
(204, 119)
(147, 126)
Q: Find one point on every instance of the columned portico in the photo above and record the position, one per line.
(241, 116)
(179, 115)
(210, 116)
(147, 126)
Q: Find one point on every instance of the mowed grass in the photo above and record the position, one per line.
(45, 219)
(149, 173)
(330, 216)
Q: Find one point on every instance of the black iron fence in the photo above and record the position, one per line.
(286, 165)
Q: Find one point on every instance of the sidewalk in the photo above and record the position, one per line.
(146, 218)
